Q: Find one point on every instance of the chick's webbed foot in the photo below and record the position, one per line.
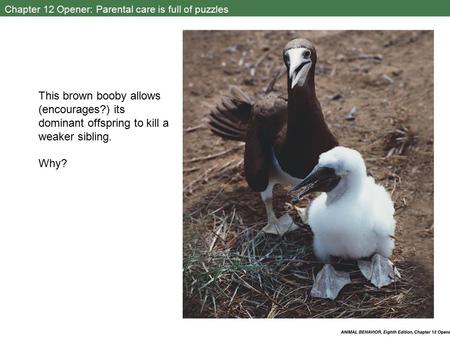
(380, 270)
(329, 282)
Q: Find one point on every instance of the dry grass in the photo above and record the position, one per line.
(400, 141)
(235, 271)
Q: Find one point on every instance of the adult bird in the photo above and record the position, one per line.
(352, 219)
(283, 138)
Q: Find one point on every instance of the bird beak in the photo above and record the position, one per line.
(298, 66)
(319, 179)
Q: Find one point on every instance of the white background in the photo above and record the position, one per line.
(95, 249)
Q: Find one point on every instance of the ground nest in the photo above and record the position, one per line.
(240, 272)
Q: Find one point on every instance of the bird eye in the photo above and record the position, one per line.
(286, 59)
(306, 54)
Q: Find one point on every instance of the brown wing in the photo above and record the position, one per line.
(266, 127)
(229, 118)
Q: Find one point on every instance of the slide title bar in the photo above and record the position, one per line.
(227, 8)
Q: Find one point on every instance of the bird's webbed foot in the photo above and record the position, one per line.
(329, 282)
(280, 226)
(380, 270)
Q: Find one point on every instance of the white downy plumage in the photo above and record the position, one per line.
(353, 219)
(356, 218)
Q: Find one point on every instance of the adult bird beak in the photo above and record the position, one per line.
(298, 66)
(319, 179)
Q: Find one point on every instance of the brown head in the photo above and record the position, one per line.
(300, 59)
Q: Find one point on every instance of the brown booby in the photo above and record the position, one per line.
(283, 138)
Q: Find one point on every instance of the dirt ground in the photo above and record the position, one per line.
(376, 92)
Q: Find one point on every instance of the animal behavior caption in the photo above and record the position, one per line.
(93, 117)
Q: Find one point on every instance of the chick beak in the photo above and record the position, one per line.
(319, 179)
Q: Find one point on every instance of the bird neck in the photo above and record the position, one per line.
(307, 135)
(349, 188)
(304, 111)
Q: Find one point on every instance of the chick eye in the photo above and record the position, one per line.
(286, 59)
(306, 54)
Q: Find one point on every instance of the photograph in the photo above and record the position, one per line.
(308, 174)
